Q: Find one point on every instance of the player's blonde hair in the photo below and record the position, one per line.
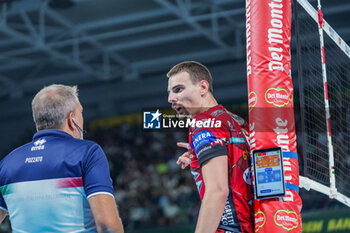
(52, 104)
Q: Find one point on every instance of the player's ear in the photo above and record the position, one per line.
(204, 87)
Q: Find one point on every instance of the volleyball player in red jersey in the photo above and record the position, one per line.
(218, 153)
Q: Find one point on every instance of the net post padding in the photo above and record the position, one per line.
(271, 113)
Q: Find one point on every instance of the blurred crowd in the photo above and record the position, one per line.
(150, 188)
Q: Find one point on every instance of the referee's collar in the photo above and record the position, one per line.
(51, 133)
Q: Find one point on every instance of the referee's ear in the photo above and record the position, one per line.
(70, 121)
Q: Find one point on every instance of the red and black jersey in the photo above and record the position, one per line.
(223, 133)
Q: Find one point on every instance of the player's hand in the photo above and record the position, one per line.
(184, 159)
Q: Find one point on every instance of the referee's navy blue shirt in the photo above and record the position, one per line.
(45, 184)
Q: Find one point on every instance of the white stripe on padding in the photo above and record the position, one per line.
(1, 208)
(99, 193)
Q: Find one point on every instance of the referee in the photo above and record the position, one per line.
(58, 182)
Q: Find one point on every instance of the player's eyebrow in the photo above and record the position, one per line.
(177, 86)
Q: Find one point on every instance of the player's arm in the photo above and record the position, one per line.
(106, 214)
(215, 177)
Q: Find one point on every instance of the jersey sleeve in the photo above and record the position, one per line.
(96, 175)
(208, 144)
(2, 203)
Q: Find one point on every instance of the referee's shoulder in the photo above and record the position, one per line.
(85, 143)
(17, 150)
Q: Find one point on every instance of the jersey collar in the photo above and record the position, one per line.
(210, 110)
(51, 133)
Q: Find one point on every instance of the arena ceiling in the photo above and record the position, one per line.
(83, 41)
(117, 50)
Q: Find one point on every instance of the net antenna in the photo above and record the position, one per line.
(311, 181)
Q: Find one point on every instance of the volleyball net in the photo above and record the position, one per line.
(323, 59)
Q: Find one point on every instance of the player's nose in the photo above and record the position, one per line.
(171, 98)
